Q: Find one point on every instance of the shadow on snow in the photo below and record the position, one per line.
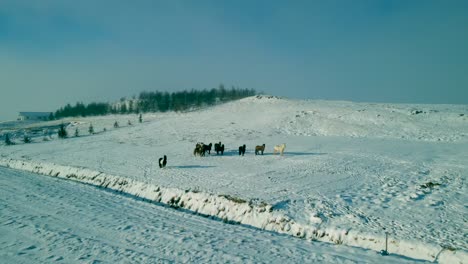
(191, 167)
(252, 153)
(287, 153)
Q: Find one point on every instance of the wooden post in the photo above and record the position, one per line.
(386, 241)
(385, 252)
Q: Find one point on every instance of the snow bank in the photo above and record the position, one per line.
(235, 210)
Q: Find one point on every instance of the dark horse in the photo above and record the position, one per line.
(207, 148)
(162, 162)
(218, 147)
(242, 150)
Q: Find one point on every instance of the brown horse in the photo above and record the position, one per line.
(199, 149)
(259, 149)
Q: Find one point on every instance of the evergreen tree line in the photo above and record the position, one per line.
(157, 102)
(81, 109)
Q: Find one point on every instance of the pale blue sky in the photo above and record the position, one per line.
(54, 52)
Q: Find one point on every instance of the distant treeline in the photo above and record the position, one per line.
(156, 102)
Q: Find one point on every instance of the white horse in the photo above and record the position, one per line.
(279, 148)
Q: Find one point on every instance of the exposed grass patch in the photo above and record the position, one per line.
(449, 248)
(233, 199)
(430, 185)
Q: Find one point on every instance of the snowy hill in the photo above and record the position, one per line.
(350, 172)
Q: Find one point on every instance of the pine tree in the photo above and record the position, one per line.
(130, 106)
(123, 108)
(222, 92)
(77, 133)
(7, 140)
(140, 118)
(62, 132)
(91, 129)
(26, 139)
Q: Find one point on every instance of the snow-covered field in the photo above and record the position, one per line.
(46, 220)
(350, 173)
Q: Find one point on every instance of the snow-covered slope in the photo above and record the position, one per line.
(349, 168)
(44, 220)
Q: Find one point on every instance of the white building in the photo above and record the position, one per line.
(34, 116)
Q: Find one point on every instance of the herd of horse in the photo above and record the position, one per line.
(201, 149)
